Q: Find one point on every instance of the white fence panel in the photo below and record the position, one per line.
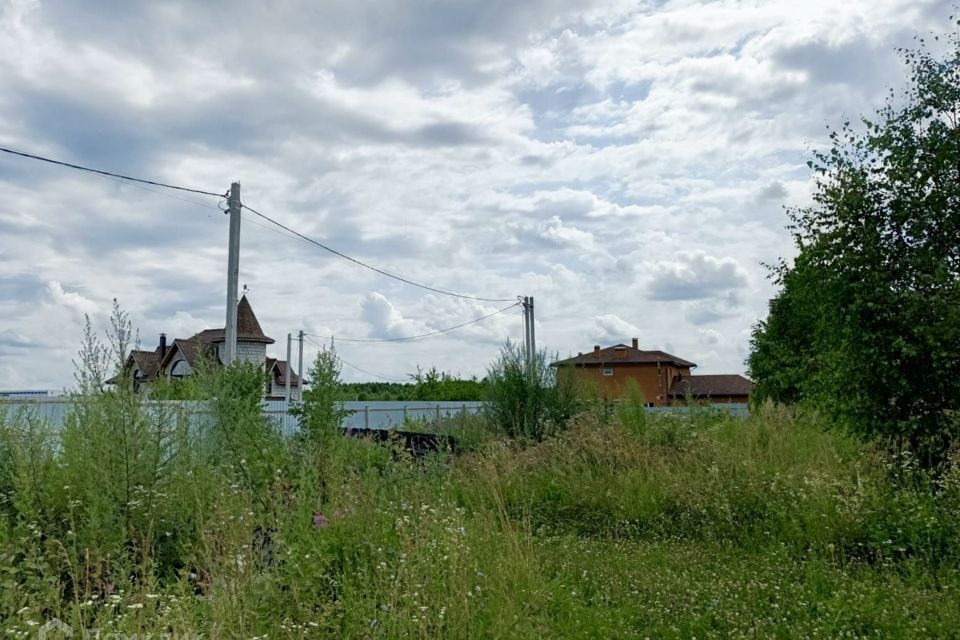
(376, 415)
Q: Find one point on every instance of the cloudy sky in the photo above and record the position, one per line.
(626, 163)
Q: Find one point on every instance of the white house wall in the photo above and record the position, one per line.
(180, 367)
(255, 352)
(280, 390)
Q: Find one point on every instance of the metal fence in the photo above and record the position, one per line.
(381, 415)
(372, 415)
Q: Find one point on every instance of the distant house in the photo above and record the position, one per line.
(183, 356)
(712, 388)
(662, 378)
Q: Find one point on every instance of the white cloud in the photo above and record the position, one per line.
(709, 337)
(384, 319)
(625, 163)
(73, 302)
(611, 328)
(692, 275)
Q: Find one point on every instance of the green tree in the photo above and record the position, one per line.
(321, 412)
(867, 323)
(435, 385)
(528, 399)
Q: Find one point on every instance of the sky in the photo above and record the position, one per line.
(628, 164)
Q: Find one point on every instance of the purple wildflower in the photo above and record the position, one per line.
(320, 520)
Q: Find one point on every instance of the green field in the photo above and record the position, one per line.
(691, 526)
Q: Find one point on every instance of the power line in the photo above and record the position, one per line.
(353, 366)
(167, 195)
(376, 375)
(108, 173)
(371, 267)
(422, 335)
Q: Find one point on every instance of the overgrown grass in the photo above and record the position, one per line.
(696, 525)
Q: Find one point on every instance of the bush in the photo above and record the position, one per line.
(528, 398)
(320, 413)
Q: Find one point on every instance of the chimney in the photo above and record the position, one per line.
(163, 345)
(596, 350)
(636, 344)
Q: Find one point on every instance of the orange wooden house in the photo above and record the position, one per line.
(664, 379)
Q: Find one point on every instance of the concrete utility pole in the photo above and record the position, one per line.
(289, 346)
(233, 274)
(300, 369)
(526, 330)
(533, 330)
(529, 332)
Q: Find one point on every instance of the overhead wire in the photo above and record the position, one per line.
(360, 369)
(113, 176)
(422, 335)
(167, 195)
(108, 173)
(369, 266)
(269, 228)
(376, 375)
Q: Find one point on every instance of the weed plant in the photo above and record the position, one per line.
(691, 525)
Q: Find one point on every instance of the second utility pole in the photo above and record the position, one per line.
(287, 368)
(529, 333)
(533, 331)
(233, 274)
(300, 370)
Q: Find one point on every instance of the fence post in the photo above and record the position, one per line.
(404, 414)
(438, 412)
(366, 417)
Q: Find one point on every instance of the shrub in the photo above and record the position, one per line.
(321, 413)
(528, 398)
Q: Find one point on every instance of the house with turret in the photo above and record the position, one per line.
(181, 357)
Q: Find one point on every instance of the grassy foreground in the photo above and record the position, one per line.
(674, 527)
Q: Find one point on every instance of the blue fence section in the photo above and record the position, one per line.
(380, 415)
(375, 415)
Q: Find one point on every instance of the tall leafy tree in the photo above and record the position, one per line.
(321, 413)
(867, 322)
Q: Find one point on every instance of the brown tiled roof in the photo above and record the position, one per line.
(612, 356)
(248, 328)
(209, 336)
(278, 369)
(147, 362)
(193, 351)
(711, 386)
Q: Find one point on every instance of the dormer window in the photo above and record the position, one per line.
(620, 353)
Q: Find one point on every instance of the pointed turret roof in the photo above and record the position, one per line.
(248, 328)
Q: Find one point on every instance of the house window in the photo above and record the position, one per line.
(608, 372)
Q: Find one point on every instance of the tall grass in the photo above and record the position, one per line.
(693, 525)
